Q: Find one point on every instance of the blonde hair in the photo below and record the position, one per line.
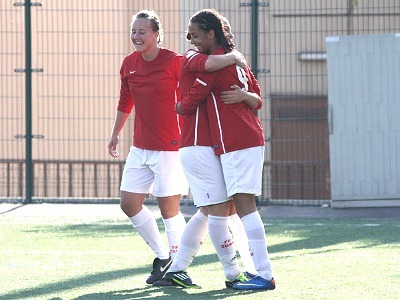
(155, 22)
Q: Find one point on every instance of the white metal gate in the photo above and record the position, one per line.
(364, 123)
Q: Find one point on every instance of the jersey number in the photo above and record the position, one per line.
(243, 78)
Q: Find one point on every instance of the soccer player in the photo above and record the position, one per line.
(150, 84)
(204, 173)
(238, 138)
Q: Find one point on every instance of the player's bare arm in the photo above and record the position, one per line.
(217, 62)
(119, 123)
(237, 95)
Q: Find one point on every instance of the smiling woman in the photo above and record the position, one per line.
(237, 137)
(146, 29)
(150, 83)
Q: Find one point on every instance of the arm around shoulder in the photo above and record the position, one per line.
(218, 62)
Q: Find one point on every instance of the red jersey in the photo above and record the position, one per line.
(195, 130)
(233, 126)
(152, 87)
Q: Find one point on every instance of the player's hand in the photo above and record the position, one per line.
(178, 108)
(240, 59)
(112, 146)
(236, 95)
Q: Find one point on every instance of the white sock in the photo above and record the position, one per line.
(192, 239)
(173, 228)
(258, 244)
(241, 242)
(146, 225)
(223, 244)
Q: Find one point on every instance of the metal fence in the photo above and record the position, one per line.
(59, 88)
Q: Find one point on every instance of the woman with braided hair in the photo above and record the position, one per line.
(238, 139)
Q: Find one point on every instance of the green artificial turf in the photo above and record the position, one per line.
(88, 257)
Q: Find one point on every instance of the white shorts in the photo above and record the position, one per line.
(204, 173)
(156, 172)
(243, 170)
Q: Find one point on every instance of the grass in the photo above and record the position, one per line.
(89, 257)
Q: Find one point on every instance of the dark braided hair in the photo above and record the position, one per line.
(209, 19)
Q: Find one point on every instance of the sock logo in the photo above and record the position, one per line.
(227, 244)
